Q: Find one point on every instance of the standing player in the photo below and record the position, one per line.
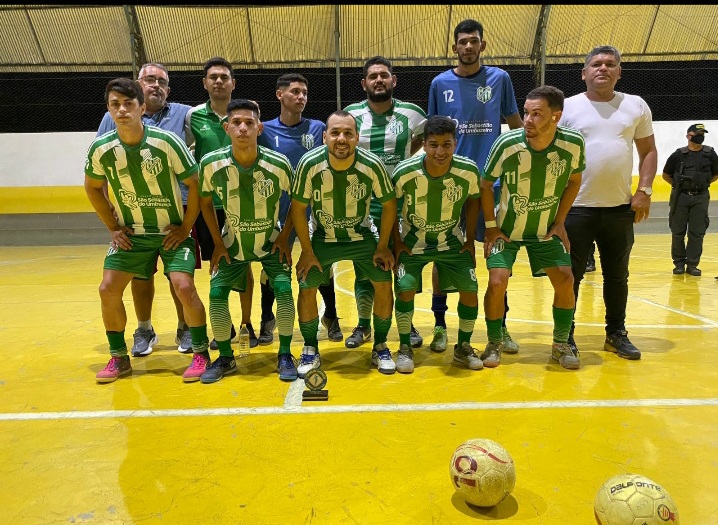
(169, 116)
(432, 189)
(337, 181)
(293, 135)
(475, 97)
(205, 133)
(248, 179)
(143, 166)
(539, 173)
(391, 129)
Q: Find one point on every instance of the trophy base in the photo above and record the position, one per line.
(315, 395)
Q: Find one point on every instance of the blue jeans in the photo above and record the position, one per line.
(612, 230)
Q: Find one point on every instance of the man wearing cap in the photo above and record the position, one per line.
(690, 170)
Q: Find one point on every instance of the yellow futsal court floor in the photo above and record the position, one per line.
(246, 450)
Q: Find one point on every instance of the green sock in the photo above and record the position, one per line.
(309, 332)
(118, 348)
(284, 343)
(200, 341)
(286, 312)
(364, 293)
(381, 329)
(494, 331)
(467, 320)
(562, 318)
(404, 312)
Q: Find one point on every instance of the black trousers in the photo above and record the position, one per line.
(688, 213)
(612, 230)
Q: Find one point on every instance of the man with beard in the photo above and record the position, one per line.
(539, 173)
(169, 116)
(205, 133)
(337, 181)
(293, 135)
(393, 130)
(475, 97)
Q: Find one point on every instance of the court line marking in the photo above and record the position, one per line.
(708, 323)
(343, 409)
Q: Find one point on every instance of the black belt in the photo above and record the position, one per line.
(693, 192)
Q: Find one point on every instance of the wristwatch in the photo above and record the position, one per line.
(646, 189)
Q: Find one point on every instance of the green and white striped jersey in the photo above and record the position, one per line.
(431, 207)
(340, 200)
(144, 179)
(388, 135)
(249, 196)
(532, 182)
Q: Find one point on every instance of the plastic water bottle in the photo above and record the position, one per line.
(243, 341)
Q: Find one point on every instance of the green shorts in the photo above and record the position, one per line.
(456, 271)
(359, 252)
(234, 275)
(542, 254)
(140, 260)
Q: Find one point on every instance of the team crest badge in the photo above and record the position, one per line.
(396, 127)
(150, 165)
(452, 192)
(483, 94)
(356, 189)
(263, 187)
(308, 141)
(555, 167)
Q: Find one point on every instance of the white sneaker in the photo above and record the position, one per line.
(309, 360)
(405, 360)
(381, 357)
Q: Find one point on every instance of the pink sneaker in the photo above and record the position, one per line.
(116, 367)
(200, 362)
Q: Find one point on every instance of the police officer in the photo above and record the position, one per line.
(690, 170)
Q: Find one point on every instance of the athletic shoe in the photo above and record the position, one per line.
(405, 360)
(200, 362)
(381, 357)
(253, 341)
(221, 367)
(266, 329)
(618, 342)
(309, 360)
(213, 342)
(286, 367)
(415, 338)
(360, 335)
(492, 354)
(438, 343)
(184, 341)
(145, 340)
(116, 367)
(334, 333)
(590, 265)
(694, 271)
(466, 355)
(564, 354)
(510, 346)
(572, 344)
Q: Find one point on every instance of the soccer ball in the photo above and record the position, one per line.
(482, 472)
(631, 499)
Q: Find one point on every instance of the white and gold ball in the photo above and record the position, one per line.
(482, 472)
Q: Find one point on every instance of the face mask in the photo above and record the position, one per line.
(697, 139)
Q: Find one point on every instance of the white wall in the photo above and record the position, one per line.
(58, 159)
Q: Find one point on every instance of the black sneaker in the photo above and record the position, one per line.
(415, 338)
(221, 367)
(253, 341)
(679, 269)
(213, 342)
(286, 367)
(694, 271)
(266, 329)
(618, 342)
(334, 333)
(591, 265)
(360, 335)
(572, 344)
